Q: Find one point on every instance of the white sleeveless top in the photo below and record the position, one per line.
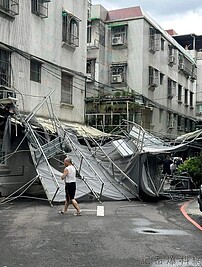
(71, 176)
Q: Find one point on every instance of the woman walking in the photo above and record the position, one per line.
(69, 175)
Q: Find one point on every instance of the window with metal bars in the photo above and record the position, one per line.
(154, 40)
(35, 71)
(11, 7)
(171, 88)
(70, 29)
(119, 35)
(40, 8)
(66, 88)
(118, 73)
(153, 77)
(5, 68)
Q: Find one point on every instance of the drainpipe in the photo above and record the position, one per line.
(194, 45)
(194, 41)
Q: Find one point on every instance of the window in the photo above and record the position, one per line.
(171, 88)
(161, 78)
(119, 35)
(194, 73)
(5, 69)
(171, 120)
(172, 55)
(186, 97)
(118, 73)
(162, 44)
(154, 40)
(185, 66)
(90, 69)
(70, 29)
(191, 96)
(199, 108)
(160, 115)
(10, 6)
(66, 88)
(179, 94)
(95, 34)
(35, 71)
(40, 8)
(153, 77)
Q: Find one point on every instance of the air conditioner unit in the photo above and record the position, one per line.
(179, 128)
(116, 78)
(117, 40)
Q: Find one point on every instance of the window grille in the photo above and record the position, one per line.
(5, 68)
(153, 77)
(119, 35)
(35, 71)
(171, 88)
(66, 88)
(70, 29)
(118, 73)
(154, 40)
(10, 6)
(40, 8)
(90, 68)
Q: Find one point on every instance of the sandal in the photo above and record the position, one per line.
(61, 212)
(78, 213)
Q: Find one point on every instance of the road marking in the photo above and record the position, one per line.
(187, 216)
(99, 210)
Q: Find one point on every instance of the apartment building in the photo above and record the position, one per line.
(193, 44)
(42, 49)
(138, 72)
(42, 73)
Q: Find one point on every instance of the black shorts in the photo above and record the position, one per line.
(70, 189)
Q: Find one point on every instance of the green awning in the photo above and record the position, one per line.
(117, 25)
(94, 19)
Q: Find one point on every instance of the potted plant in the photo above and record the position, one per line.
(193, 166)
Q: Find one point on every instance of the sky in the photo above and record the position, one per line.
(183, 16)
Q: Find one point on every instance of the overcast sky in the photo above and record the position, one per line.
(181, 15)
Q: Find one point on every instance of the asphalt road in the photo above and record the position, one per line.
(135, 234)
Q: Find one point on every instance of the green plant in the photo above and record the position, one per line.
(193, 166)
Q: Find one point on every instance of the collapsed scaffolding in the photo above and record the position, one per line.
(117, 166)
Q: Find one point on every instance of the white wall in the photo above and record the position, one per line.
(43, 38)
